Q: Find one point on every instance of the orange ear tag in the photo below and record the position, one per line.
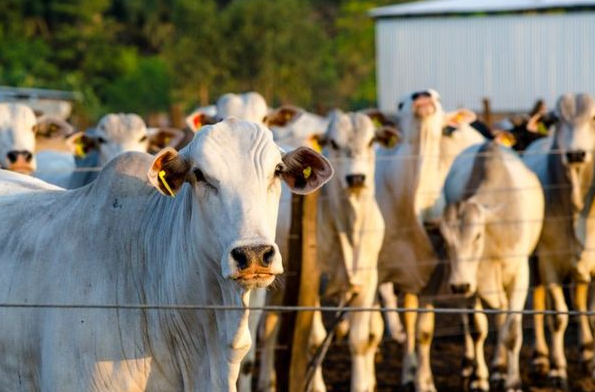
(162, 177)
(307, 172)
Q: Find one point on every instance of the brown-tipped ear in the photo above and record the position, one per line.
(50, 127)
(388, 136)
(168, 171)
(305, 170)
(379, 118)
(282, 116)
(197, 119)
(81, 144)
(160, 138)
(460, 117)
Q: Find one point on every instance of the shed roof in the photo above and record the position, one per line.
(446, 7)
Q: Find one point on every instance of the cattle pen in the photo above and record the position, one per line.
(446, 352)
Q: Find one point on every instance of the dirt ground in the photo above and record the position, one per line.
(447, 354)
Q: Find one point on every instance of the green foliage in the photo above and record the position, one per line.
(143, 55)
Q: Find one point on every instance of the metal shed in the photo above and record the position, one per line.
(510, 51)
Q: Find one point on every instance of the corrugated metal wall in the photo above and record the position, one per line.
(512, 59)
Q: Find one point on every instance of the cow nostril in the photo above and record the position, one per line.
(462, 288)
(268, 256)
(13, 155)
(241, 257)
(576, 156)
(355, 180)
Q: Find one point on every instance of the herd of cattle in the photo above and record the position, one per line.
(201, 217)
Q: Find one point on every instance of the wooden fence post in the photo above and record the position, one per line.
(301, 289)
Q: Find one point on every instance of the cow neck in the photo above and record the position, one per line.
(425, 151)
(350, 212)
(192, 276)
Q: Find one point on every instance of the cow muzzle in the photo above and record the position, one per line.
(576, 156)
(423, 105)
(20, 161)
(355, 180)
(461, 288)
(255, 265)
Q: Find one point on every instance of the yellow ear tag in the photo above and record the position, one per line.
(162, 177)
(307, 172)
(376, 122)
(392, 141)
(79, 151)
(459, 118)
(315, 144)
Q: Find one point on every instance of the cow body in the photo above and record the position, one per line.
(491, 225)
(409, 180)
(146, 248)
(565, 166)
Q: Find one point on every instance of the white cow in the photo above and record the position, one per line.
(13, 182)
(349, 237)
(294, 127)
(409, 183)
(491, 225)
(565, 165)
(250, 106)
(18, 128)
(209, 245)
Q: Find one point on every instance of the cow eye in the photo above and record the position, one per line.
(279, 169)
(100, 140)
(200, 177)
(334, 145)
(401, 104)
(477, 236)
(142, 139)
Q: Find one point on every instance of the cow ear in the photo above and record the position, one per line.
(50, 127)
(304, 170)
(282, 116)
(197, 119)
(160, 138)
(460, 117)
(388, 136)
(81, 144)
(168, 171)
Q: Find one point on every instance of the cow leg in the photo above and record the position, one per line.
(267, 377)
(469, 358)
(316, 338)
(585, 337)
(479, 381)
(425, 333)
(393, 322)
(257, 299)
(360, 343)
(513, 338)
(376, 331)
(557, 374)
(541, 362)
(409, 369)
(498, 373)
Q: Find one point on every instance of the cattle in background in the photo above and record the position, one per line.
(13, 182)
(114, 134)
(409, 182)
(250, 106)
(349, 221)
(294, 127)
(18, 129)
(209, 245)
(565, 165)
(491, 225)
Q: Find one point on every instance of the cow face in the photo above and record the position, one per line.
(17, 138)
(463, 229)
(420, 108)
(234, 171)
(349, 144)
(575, 129)
(114, 134)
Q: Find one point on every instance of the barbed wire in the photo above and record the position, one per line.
(287, 308)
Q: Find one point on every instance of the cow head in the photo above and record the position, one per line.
(233, 171)
(249, 106)
(349, 144)
(18, 130)
(463, 229)
(293, 126)
(420, 109)
(575, 129)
